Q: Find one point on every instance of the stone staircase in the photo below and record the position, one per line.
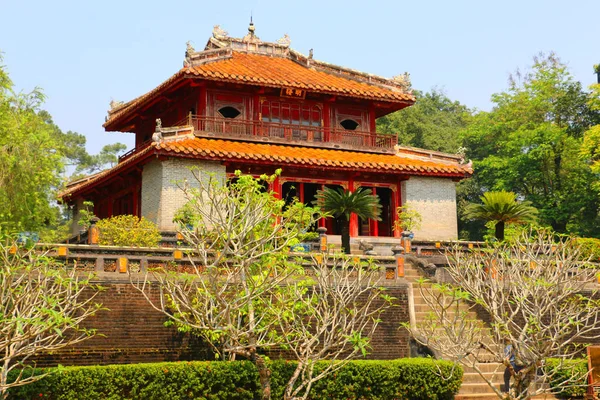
(474, 387)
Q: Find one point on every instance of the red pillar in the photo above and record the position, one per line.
(372, 125)
(301, 192)
(201, 108)
(374, 222)
(323, 221)
(353, 217)
(136, 201)
(276, 188)
(397, 203)
(326, 122)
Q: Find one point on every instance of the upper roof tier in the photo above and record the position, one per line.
(253, 62)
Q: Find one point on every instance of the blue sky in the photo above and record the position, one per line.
(85, 53)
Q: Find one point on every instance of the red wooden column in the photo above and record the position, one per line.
(136, 201)
(276, 188)
(353, 217)
(374, 223)
(301, 192)
(372, 125)
(326, 121)
(323, 221)
(397, 203)
(201, 112)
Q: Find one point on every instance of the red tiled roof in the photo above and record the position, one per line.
(263, 70)
(310, 156)
(283, 72)
(285, 155)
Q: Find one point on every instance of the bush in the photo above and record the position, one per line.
(128, 230)
(579, 367)
(413, 379)
(589, 247)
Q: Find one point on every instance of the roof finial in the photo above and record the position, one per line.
(251, 26)
(251, 37)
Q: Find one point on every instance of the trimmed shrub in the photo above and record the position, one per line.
(128, 231)
(413, 379)
(579, 367)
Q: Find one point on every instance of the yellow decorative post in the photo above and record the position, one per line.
(399, 254)
(122, 264)
(322, 239)
(93, 232)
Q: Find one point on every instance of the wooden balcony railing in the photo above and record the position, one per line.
(278, 132)
(239, 128)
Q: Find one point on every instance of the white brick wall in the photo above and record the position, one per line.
(161, 196)
(435, 199)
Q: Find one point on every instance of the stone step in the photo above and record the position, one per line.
(474, 377)
(475, 388)
(424, 307)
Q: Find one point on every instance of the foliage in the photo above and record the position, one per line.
(86, 215)
(564, 371)
(107, 158)
(415, 379)
(129, 231)
(409, 219)
(530, 144)
(433, 122)
(30, 164)
(246, 295)
(34, 154)
(539, 298)
(501, 208)
(589, 248)
(341, 204)
(43, 306)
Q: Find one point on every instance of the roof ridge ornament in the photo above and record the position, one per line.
(189, 50)
(219, 33)
(285, 40)
(403, 80)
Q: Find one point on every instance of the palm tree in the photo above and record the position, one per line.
(341, 204)
(503, 208)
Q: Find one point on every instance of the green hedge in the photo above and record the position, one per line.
(218, 380)
(579, 366)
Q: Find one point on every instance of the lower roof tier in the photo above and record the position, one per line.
(278, 156)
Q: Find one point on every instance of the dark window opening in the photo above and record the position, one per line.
(349, 124)
(229, 112)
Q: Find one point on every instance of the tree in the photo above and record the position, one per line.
(244, 293)
(342, 204)
(537, 298)
(30, 166)
(34, 154)
(43, 304)
(433, 122)
(331, 315)
(502, 208)
(107, 158)
(530, 144)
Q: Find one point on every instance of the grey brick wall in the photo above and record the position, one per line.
(435, 199)
(161, 195)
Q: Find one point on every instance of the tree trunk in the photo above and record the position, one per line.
(264, 375)
(500, 230)
(345, 228)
